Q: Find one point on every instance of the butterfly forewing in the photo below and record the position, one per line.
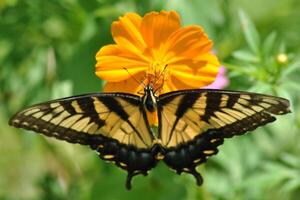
(183, 115)
(85, 119)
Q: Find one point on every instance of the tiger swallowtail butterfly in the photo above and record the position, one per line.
(191, 125)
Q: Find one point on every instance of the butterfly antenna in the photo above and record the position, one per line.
(161, 73)
(138, 82)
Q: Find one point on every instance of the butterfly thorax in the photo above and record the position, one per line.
(149, 99)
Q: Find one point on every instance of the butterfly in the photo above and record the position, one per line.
(191, 125)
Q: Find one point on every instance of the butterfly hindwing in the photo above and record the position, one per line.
(192, 123)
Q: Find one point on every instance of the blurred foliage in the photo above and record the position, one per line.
(47, 51)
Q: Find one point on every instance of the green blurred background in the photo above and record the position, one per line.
(47, 50)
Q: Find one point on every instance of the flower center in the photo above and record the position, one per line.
(156, 74)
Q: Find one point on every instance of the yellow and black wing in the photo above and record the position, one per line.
(115, 124)
(192, 123)
(82, 119)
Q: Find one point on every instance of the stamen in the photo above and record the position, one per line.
(156, 76)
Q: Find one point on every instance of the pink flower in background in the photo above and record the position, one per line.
(221, 80)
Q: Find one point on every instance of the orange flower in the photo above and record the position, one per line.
(156, 50)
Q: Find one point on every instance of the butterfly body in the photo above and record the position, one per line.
(191, 125)
(149, 99)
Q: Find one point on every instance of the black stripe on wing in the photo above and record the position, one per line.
(88, 108)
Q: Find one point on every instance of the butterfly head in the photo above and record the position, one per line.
(149, 99)
(148, 89)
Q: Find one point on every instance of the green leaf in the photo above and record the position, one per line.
(62, 89)
(269, 43)
(291, 160)
(106, 11)
(282, 47)
(291, 68)
(291, 185)
(6, 48)
(250, 32)
(246, 70)
(292, 85)
(260, 88)
(245, 56)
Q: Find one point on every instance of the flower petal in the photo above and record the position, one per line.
(187, 42)
(190, 76)
(116, 64)
(126, 32)
(128, 86)
(157, 27)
